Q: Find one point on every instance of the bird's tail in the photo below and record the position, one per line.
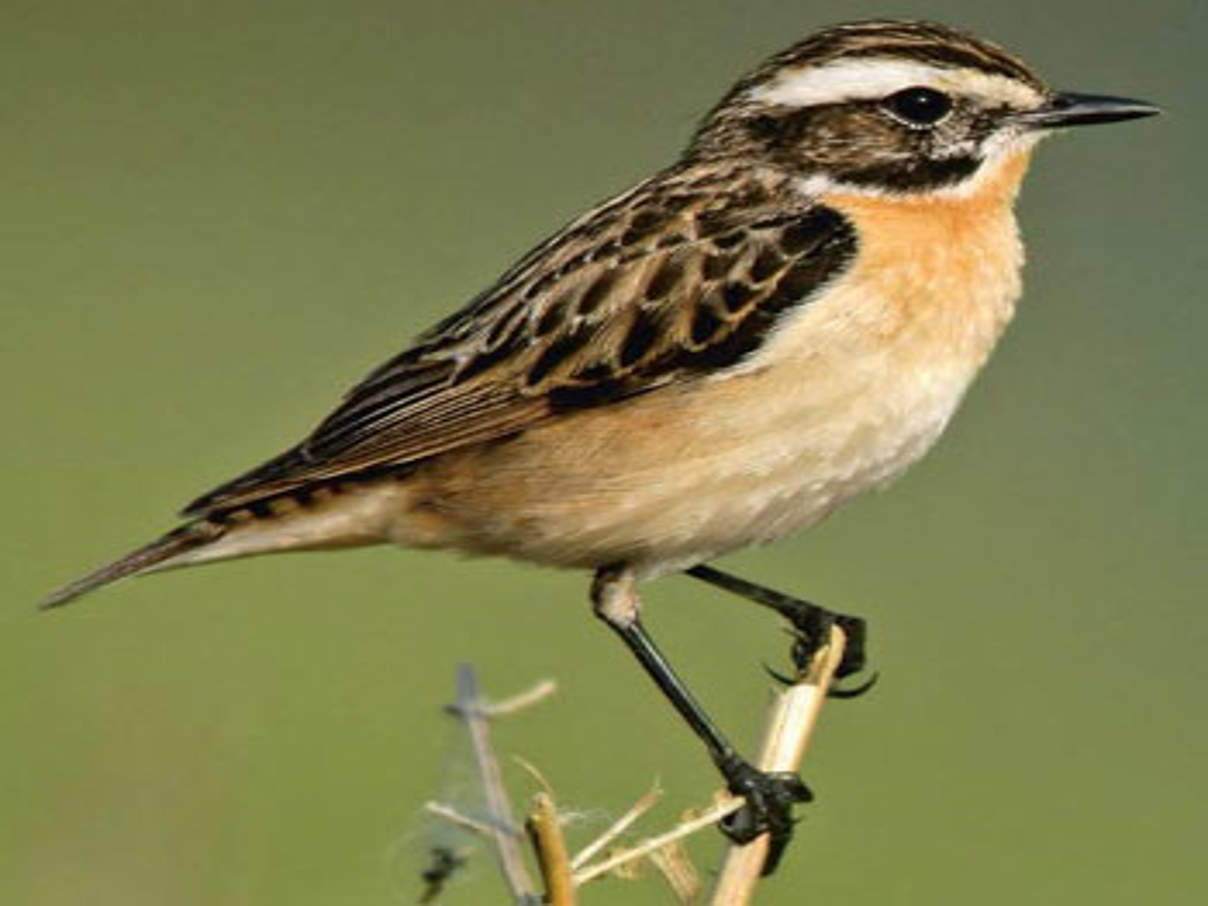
(318, 519)
(156, 554)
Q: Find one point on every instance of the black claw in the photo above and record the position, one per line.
(778, 676)
(811, 626)
(839, 692)
(854, 691)
(770, 798)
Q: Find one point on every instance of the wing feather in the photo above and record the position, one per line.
(683, 275)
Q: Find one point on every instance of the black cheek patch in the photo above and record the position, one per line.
(914, 175)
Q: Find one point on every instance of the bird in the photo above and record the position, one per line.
(785, 317)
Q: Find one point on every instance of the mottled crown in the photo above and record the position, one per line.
(922, 42)
(819, 106)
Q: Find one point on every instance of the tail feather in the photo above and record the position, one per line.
(164, 548)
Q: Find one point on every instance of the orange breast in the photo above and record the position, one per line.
(944, 267)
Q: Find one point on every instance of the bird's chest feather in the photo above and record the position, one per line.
(861, 382)
(851, 388)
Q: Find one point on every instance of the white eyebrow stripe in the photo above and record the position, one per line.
(843, 81)
(849, 80)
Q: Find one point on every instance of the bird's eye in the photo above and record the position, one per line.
(918, 106)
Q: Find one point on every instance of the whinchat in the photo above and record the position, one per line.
(786, 316)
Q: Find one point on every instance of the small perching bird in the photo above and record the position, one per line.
(785, 317)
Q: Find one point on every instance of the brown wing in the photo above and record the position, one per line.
(684, 274)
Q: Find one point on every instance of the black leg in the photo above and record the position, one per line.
(811, 623)
(769, 796)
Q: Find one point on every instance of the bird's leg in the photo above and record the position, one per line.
(811, 624)
(769, 796)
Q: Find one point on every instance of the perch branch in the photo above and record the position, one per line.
(546, 836)
(791, 721)
(507, 847)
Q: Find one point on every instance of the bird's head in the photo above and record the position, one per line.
(894, 107)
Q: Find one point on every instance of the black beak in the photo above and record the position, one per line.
(1069, 109)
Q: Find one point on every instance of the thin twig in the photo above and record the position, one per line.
(710, 816)
(453, 816)
(507, 848)
(791, 720)
(617, 828)
(543, 689)
(678, 871)
(546, 835)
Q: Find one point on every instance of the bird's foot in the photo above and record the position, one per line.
(770, 797)
(811, 629)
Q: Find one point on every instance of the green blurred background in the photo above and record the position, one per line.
(218, 215)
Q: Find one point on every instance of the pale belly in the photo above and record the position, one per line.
(660, 483)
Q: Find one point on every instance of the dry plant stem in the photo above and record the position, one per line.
(543, 689)
(677, 870)
(649, 845)
(791, 721)
(546, 835)
(453, 816)
(617, 828)
(507, 848)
